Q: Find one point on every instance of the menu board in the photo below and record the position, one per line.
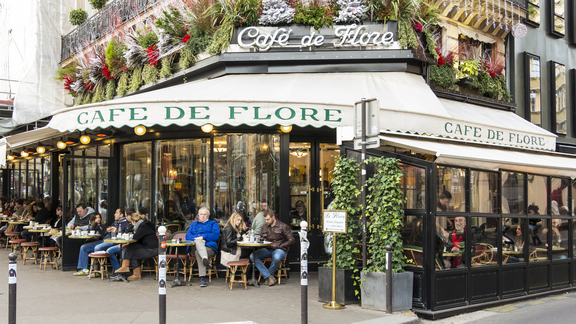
(334, 221)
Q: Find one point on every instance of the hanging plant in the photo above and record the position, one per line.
(318, 14)
(98, 4)
(115, 61)
(230, 14)
(135, 79)
(385, 213)
(166, 69)
(110, 90)
(123, 84)
(187, 58)
(149, 74)
(78, 17)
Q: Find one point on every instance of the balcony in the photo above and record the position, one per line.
(103, 23)
(496, 17)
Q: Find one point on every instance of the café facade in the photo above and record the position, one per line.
(265, 121)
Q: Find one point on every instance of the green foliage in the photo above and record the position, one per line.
(230, 13)
(123, 84)
(166, 69)
(345, 188)
(172, 23)
(187, 57)
(385, 213)
(406, 34)
(110, 89)
(316, 16)
(78, 16)
(149, 74)
(86, 98)
(443, 75)
(493, 87)
(221, 39)
(97, 4)
(431, 44)
(114, 58)
(468, 68)
(68, 70)
(199, 41)
(99, 93)
(147, 39)
(135, 79)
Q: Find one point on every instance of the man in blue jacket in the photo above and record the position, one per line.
(205, 233)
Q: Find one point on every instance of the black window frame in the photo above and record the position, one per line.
(552, 18)
(527, 74)
(553, 107)
(527, 19)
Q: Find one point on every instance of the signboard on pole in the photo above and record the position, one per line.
(334, 221)
(372, 124)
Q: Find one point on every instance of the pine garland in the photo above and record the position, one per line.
(135, 80)
(166, 69)
(187, 58)
(149, 74)
(110, 89)
(123, 84)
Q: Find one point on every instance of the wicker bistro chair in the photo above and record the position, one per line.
(484, 254)
(282, 270)
(48, 257)
(98, 264)
(209, 272)
(11, 236)
(151, 265)
(232, 272)
(181, 257)
(29, 246)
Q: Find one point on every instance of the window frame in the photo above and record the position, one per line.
(553, 102)
(527, 75)
(552, 18)
(527, 19)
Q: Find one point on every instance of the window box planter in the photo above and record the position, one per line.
(345, 289)
(374, 290)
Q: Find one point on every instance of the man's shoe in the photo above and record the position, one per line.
(83, 272)
(95, 275)
(206, 263)
(203, 281)
(272, 281)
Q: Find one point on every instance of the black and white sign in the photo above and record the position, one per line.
(334, 221)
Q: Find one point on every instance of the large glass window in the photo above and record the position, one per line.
(537, 195)
(451, 189)
(559, 196)
(136, 163)
(247, 173)
(484, 241)
(558, 84)
(533, 16)
(182, 179)
(513, 193)
(451, 246)
(413, 184)
(557, 21)
(413, 241)
(46, 181)
(559, 229)
(483, 192)
(513, 240)
(533, 99)
(537, 237)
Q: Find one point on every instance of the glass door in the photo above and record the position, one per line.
(310, 176)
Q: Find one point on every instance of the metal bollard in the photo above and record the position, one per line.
(388, 279)
(12, 288)
(304, 271)
(162, 273)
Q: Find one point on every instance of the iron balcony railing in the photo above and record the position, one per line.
(103, 23)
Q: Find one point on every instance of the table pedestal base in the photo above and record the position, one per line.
(178, 282)
(118, 277)
(253, 282)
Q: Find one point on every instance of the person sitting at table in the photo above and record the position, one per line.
(57, 224)
(205, 233)
(281, 237)
(299, 214)
(41, 216)
(145, 247)
(118, 227)
(234, 231)
(518, 245)
(457, 237)
(259, 218)
(18, 208)
(82, 220)
(91, 243)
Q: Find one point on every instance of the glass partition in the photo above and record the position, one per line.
(413, 241)
(513, 193)
(484, 241)
(559, 196)
(413, 184)
(183, 179)
(451, 189)
(46, 181)
(135, 169)
(513, 240)
(483, 192)
(559, 243)
(104, 150)
(537, 195)
(537, 233)
(450, 242)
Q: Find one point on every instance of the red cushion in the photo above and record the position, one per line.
(99, 255)
(17, 241)
(48, 248)
(30, 244)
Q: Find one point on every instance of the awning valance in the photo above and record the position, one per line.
(302, 99)
(487, 158)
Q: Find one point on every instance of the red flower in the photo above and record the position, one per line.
(185, 38)
(152, 54)
(106, 72)
(416, 25)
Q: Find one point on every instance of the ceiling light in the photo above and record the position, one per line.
(40, 149)
(24, 153)
(61, 145)
(85, 139)
(207, 128)
(286, 129)
(140, 130)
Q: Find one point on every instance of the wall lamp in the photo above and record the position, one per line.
(207, 128)
(140, 130)
(286, 129)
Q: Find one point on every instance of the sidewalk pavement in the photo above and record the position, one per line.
(53, 296)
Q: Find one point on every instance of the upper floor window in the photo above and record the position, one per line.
(557, 21)
(532, 80)
(533, 16)
(559, 102)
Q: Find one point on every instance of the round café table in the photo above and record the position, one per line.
(83, 237)
(253, 246)
(119, 276)
(17, 222)
(177, 281)
(37, 230)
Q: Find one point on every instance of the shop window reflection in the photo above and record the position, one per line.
(559, 238)
(413, 240)
(483, 192)
(451, 189)
(450, 242)
(559, 196)
(512, 193)
(537, 194)
(484, 241)
(136, 164)
(413, 184)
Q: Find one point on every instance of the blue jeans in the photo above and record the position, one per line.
(86, 249)
(276, 255)
(113, 250)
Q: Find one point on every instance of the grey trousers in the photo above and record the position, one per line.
(200, 251)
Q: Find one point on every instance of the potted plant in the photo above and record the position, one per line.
(384, 210)
(78, 16)
(97, 4)
(443, 74)
(345, 189)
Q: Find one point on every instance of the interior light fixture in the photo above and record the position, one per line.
(85, 139)
(286, 129)
(24, 152)
(40, 149)
(207, 128)
(10, 157)
(140, 130)
(61, 145)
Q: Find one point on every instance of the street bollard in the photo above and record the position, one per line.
(304, 271)
(388, 279)
(12, 288)
(162, 273)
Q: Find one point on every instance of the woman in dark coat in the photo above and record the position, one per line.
(146, 247)
(233, 232)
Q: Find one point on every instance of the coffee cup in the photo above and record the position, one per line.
(92, 232)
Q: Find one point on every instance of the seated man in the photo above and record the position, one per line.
(82, 220)
(259, 219)
(281, 237)
(41, 216)
(205, 233)
(118, 226)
